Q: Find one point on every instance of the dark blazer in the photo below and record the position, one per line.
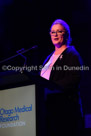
(67, 105)
(62, 72)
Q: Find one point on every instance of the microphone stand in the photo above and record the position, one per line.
(19, 53)
(25, 58)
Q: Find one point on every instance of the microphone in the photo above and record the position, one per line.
(35, 46)
(21, 51)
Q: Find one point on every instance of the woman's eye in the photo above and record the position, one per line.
(53, 32)
(60, 31)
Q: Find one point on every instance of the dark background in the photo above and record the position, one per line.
(25, 23)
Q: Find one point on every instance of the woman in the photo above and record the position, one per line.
(64, 114)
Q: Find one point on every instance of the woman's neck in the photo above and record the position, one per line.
(60, 50)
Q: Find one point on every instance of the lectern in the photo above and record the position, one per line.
(22, 105)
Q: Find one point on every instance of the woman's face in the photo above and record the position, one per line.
(57, 35)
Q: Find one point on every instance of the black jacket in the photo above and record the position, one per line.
(64, 105)
(67, 70)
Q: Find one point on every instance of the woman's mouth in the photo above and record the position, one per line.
(56, 39)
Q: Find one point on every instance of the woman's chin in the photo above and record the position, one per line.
(57, 45)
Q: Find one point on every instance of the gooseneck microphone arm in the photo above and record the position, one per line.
(20, 52)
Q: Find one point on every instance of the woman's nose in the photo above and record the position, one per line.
(56, 33)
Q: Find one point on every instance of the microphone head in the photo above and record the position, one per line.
(35, 46)
(20, 50)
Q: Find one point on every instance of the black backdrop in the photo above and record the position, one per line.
(25, 23)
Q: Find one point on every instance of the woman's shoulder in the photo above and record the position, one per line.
(73, 54)
(71, 51)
